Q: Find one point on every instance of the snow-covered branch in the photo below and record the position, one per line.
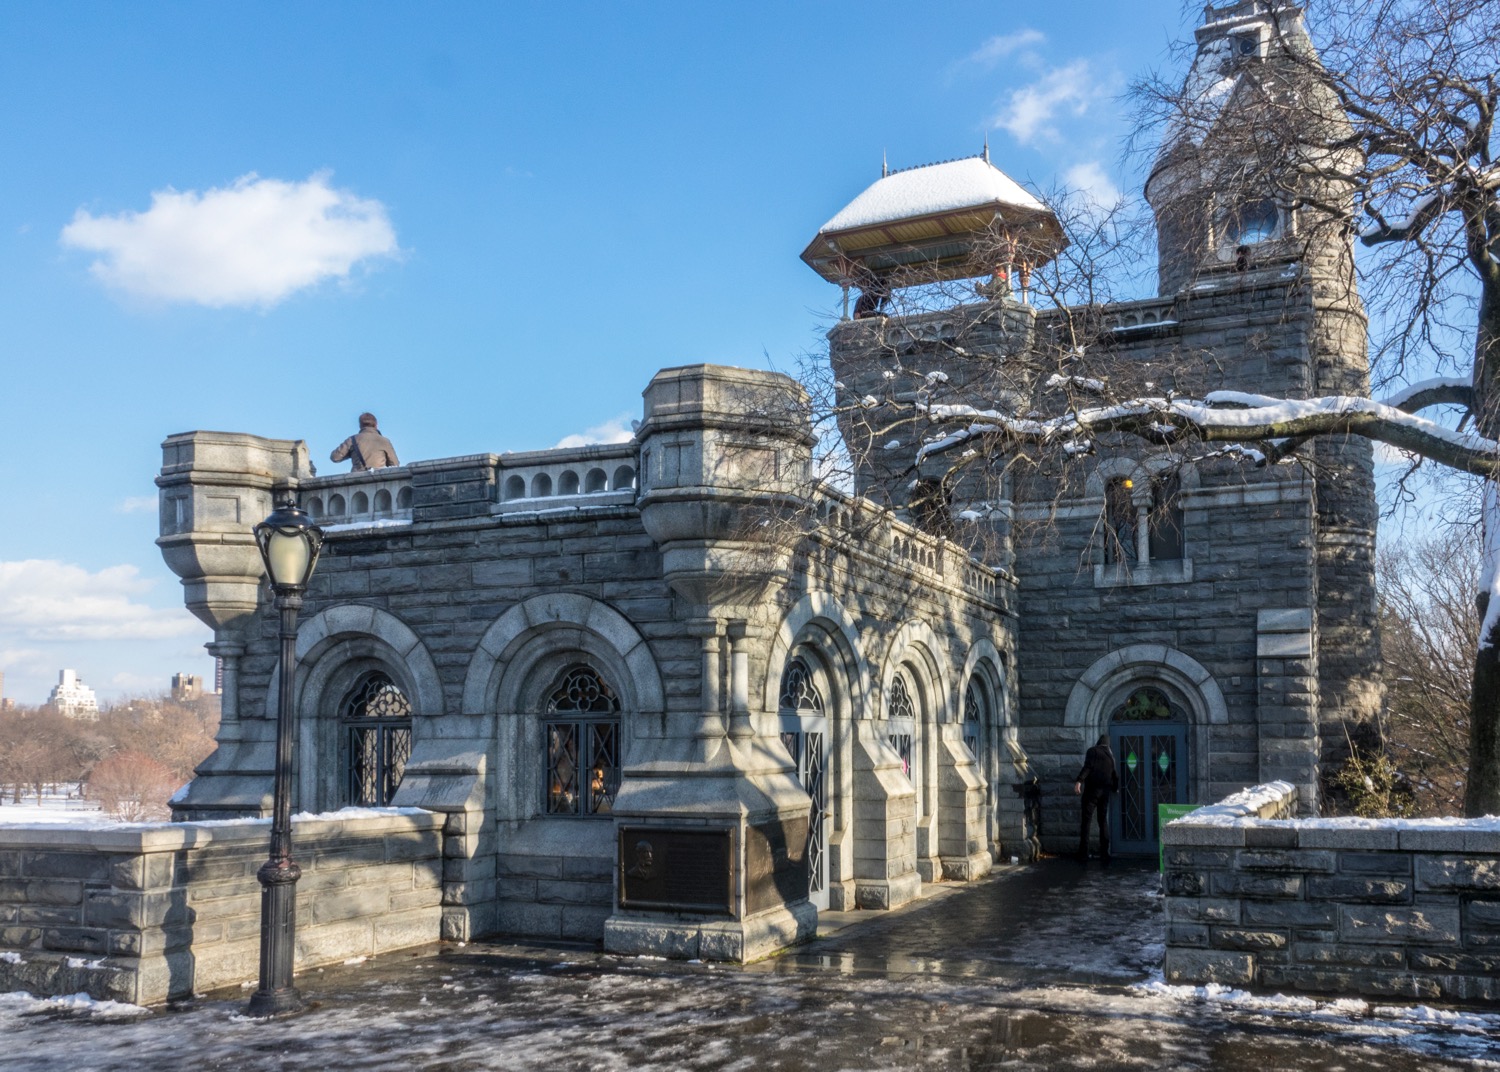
(1224, 416)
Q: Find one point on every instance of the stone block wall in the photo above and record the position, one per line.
(1386, 908)
(151, 912)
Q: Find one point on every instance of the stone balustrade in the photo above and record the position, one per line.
(538, 479)
(146, 913)
(1394, 908)
(350, 498)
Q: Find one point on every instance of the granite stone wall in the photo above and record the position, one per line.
(1387, 908)
(151, 912)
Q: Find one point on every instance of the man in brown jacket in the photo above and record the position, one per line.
(368, 449)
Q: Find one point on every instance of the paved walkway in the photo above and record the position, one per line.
(1035, 968)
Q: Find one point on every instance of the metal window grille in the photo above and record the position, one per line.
(583, 745)
(902, 713)
(798, 691)
(376, 719)
(973, 723)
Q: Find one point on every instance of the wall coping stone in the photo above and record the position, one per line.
(168, 836)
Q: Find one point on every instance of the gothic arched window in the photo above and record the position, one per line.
(798, 692)
(375, 718)
(974, 720)
(902, 714)
(583, 744)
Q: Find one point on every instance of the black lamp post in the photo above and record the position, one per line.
(289, 543)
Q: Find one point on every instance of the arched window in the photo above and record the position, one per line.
(1119, 521)
(624, 478)
(336, 506)
(1256, 221)
(596, 480)
(375, 718)
(361, 503)
(567, 483)
(974, 720)
(541, 486)
(403, 498)
(902, 714)
(798, 692)
(1165, 522)
(583, 744)
(383, 503)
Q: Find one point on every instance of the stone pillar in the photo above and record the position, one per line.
(1287, 702)
(739, 681)
(725, 456)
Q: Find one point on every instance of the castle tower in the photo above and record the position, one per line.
(1248, 182)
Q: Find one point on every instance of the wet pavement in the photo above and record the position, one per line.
(1046, 967)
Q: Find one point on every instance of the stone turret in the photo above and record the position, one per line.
(1233, 184)
(214, 487)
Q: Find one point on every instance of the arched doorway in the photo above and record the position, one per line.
(1148, 731)
(804, 732)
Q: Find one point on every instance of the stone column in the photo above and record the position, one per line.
(740, 635)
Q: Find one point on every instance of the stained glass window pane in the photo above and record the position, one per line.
(376, 716)
(583, 749)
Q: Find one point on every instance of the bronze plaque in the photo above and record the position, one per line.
(775, 864)
(673, 869)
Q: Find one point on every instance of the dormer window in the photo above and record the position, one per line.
(1248, 44)
(1256, 221)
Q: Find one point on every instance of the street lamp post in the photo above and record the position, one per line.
(289, 543)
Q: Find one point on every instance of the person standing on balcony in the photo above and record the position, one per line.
(367, 449)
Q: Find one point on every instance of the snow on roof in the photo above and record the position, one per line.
(930, 189)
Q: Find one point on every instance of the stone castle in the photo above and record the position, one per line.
(677, 695)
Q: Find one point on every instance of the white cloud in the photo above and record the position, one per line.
(137, 504)
(1090, 180)
(47, 600)
(614, 430)
(1002, 46)
(1071, 90)
(252, 243)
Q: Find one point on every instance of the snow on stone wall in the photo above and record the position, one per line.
(1398, 908)
(143, 913)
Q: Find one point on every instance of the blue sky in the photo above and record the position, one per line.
(488, 223)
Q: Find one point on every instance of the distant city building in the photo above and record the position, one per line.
(186, 688)
(7, 704)
(73, 698)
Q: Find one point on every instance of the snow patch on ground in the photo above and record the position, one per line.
(20, 1003)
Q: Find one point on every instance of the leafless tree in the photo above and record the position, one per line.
(132, 787)
(1430, 629)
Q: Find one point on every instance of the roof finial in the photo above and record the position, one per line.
(986, 147)
(885, 168)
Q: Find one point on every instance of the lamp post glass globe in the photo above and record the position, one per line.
(289, 543)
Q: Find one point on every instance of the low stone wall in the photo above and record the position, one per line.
(151, 912)
(1387, 908)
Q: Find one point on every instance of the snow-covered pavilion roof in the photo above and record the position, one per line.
(933, 222)
(932, 188)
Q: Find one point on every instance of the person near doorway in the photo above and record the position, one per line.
(1098, 778)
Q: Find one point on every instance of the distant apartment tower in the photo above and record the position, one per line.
(187, 688)
(73, 698)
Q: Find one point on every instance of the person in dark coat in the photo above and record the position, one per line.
(367, 450)
(1098, 778)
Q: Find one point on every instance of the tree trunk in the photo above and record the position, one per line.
(1482, 788)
